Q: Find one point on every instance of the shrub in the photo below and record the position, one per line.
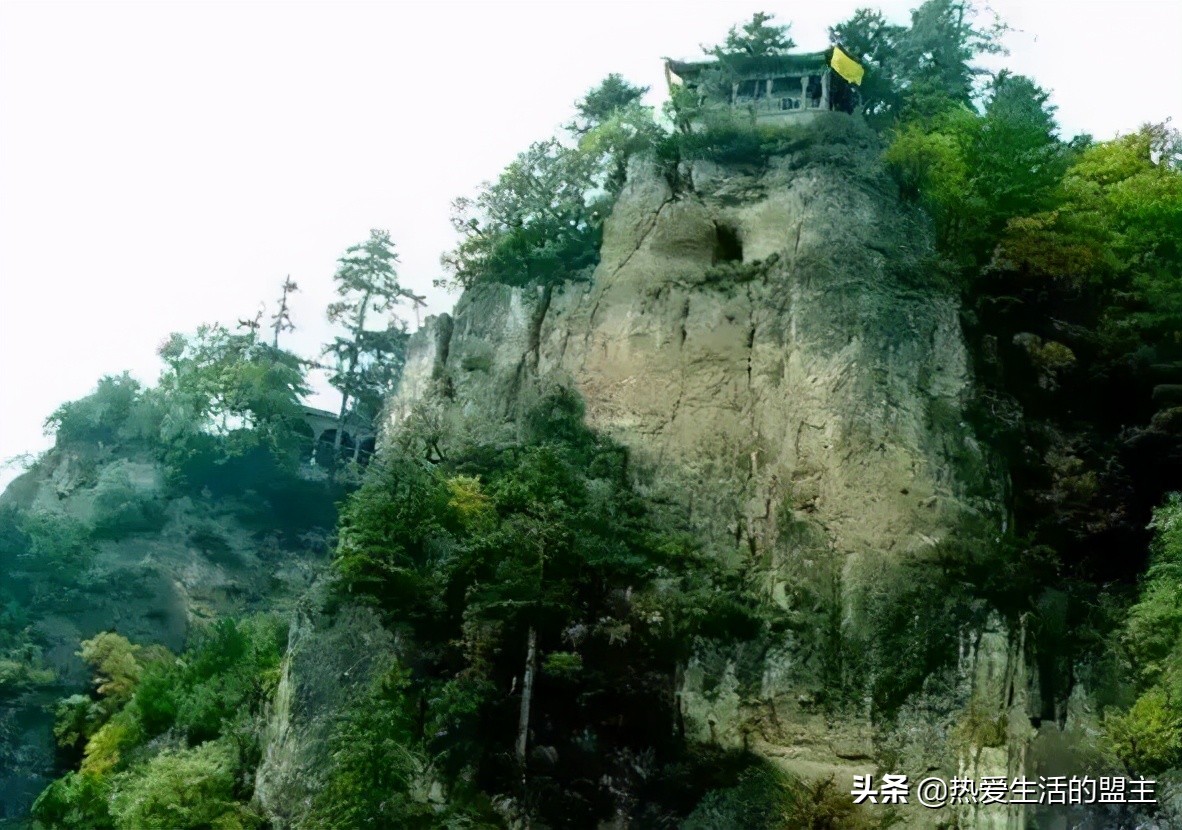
(75, 720)
(1154, 626)
(1148, 738)
(56, 543)
(376, 762)
(108, 747)
(766, 798)
(387, 529)
(730, 140)
(492, 549)
(100, 417)
(564, 665)
(21, 673)
(761, 800)
(177, 789)
(116, 665)
(231, 669)
(76, 801)
(209, 697)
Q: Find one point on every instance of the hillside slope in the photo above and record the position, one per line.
(158, 560)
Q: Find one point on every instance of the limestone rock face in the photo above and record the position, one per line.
(781, 358)
(329, 663)
(816, 372)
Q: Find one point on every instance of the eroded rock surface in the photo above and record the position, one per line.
(198, 559)
(779, 352)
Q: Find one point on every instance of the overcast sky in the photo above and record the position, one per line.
(165, 164)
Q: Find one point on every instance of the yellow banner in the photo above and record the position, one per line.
(846, 67)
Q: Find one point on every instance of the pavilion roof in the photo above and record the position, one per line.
(752, 64)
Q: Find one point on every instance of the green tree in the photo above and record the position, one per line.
(377, 762)
(974, 173)
(533, 569)
(874, 42)
(210, 699)
(182, 789)
(932, 166)
(938, 54)
(628, 132)
(1016, 157)
(604, 101)
(281, 319)
(611, 127)
(76, 801)
(366, 361)
(540, 222)
(101, 417)
(117, 666)
(757, 38)
(245, 393)
(922, 70)
(1111, 231)
(1148, 735)
(56, 543)
(392, 535)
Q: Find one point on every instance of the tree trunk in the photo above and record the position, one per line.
(527, 690)
(336, 441)
(354, 359)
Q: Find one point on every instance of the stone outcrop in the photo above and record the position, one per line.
(330, 662)
(198, 559)
(777, 349)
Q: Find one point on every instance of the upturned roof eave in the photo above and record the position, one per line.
(750, 63)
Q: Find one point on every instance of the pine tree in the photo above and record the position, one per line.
(756, 39)
(367, 283)
(281, 320)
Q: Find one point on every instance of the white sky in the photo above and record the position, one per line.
(165, 164)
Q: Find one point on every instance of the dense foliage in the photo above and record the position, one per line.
(543, 611)
(921, 70)
(1148, 736)
(367, 361)
(532, 573)
(166, 741)
(227, 411)
(1068, 255)
(219, 447)
(541, 221)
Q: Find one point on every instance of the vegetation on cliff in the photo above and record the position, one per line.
(148, 491)
(1067, 254)
(166, 740)
(543, 609)
(543, 614)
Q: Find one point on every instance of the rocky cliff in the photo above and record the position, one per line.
(776, 347)
(157, 564)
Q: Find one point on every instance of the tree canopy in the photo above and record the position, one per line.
(921, 70)
(367, 360)
(758, 37)
(540, 221)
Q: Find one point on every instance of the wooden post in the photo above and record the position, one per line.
(825, 90)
